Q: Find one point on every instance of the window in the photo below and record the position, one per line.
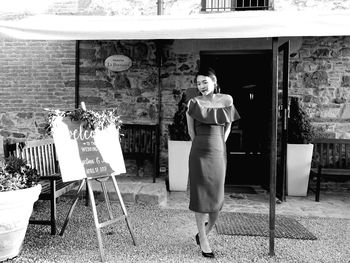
(234, 5)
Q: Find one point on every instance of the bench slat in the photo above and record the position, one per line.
(139, 141)
(332, 157)
(346, 155)
(40, 154)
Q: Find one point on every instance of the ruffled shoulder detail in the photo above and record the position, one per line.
(213, 115)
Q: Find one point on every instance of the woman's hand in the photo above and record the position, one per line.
(227, 130)
(190, 126)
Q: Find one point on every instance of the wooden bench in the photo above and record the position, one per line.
(331, 159)
(41, 155)
(140, 142)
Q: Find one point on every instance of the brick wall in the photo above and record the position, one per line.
(34, 75)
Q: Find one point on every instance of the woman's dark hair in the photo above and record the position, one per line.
(208, 72)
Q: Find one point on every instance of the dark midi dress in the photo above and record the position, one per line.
(207, 161)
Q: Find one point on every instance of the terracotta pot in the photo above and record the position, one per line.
(15, 210)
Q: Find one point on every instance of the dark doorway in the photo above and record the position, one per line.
(246, 76)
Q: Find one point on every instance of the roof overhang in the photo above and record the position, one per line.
(248, 24)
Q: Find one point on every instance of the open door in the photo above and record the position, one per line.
(282, 117)
(278, 131)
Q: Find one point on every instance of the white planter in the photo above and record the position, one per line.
(299, 158)
(178, 153)
(15, 210)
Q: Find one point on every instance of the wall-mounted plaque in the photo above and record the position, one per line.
(118, 63)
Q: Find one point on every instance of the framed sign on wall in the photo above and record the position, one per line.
(118, 63)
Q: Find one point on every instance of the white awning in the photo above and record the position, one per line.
(248, 24)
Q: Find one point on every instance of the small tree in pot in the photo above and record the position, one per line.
(179, 145)
(178, 129)
(299, 149)
(300, 129)
(19, 189)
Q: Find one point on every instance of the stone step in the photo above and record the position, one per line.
(132, 191)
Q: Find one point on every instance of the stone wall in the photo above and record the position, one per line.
(146, 7)
(22, 8)
(39, 74)
(320, 75)
(34, 75)
(134, 91)
(310, 5)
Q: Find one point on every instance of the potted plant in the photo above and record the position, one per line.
(179, 145)
(299, 149)
(19, 189)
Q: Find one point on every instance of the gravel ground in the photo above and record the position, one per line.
(167, 235)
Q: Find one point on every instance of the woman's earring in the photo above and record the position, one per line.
(217, 88)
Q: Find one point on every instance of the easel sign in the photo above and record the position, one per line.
(85, 153)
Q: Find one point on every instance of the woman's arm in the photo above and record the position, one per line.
(190, 126)
(227, 130)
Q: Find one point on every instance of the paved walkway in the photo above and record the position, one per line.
(331, 205)
(143, 190)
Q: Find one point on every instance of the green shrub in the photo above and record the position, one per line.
(178, 129)
(17, 174)
(300, 128)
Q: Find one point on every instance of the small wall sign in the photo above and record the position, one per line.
(118, 63)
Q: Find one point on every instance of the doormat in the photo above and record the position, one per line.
(237, 189)
(254, 224)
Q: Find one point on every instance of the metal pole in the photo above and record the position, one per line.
(159, 65)
(160, 7)
(273, 144)
(159, 47)
(77, 73)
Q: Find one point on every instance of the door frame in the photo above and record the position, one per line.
(285, 50)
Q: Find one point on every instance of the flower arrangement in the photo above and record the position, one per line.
(16, 174)
(92, 119)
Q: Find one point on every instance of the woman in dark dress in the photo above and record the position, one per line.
(209, 118)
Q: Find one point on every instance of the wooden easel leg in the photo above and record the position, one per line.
(108, 204)
(72, 207)
(97, 224)
(124, 209)
(87, 196)
(53, 206)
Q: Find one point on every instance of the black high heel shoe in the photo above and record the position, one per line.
(208, 255)
(197, 240)
(197, 236)
(204, 254)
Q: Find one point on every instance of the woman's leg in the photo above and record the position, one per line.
(204, 243)
(213, 216)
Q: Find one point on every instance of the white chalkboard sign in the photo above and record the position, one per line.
(86, 153)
